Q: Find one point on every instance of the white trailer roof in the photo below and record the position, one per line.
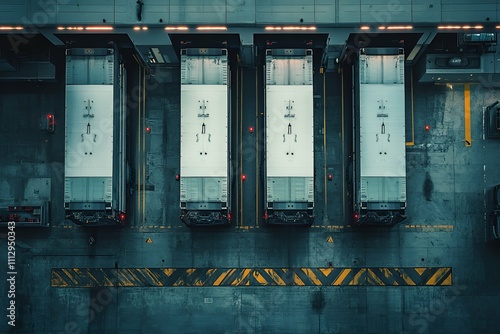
(289, 131)
(382, 139)
(382, 116)
(204, 130)
(89, 131)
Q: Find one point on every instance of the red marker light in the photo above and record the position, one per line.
(427, 127)
(265, 214)
(330, 177)
(229, 216)
(251, 129)
(356, 215)
(49, 116)
(148, 129)
(122, 216)
(243, 177)
(177, 177)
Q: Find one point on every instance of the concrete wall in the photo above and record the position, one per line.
(350, 12)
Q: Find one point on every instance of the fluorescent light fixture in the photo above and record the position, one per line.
(381, 28)
(137, 28)
(99, 28)
(399, 27)
(452, 27)
(144, 28)
(289, 28)
(211, 28)
(364, 28)
(10, 28)
(176, 28)
(60, 28)
(449, 27)
(299, 28)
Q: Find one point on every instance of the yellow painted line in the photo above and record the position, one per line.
(132, 274)
(343, 149)
(297, 280)
(447, 281)
(468, 135)
(375, 277)
(437, 276)
(241, 155)
(238, 110)
(256, 150)
(223, 275)
(153, 277)
(312, 276)
(407, 279)
(94, 280)
(199, 282)
(210, 272)
(276, 278)
(221, 278)
(356, 278)
(179, 282)
(420, 271)
(123, 279)
(387, 274)
(70, 276)
(259, 278)
(324, 136)
(341, 277)
(412, 142)
(138, 172)
(57, 280)
(431, 227)
(237, 277)
(242, 277)
(326, 271)
(144, 145)
(112, 281)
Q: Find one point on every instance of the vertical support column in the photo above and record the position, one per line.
(467, 129)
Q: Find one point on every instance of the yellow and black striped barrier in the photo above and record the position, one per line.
(204, 277)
